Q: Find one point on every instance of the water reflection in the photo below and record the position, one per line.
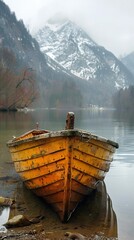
(97, 213)
(4, 215)
(125, 117)
(93, 216)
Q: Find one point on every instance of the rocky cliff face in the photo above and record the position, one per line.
(15, 37)
(72, 48)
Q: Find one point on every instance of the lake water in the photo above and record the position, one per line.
(119, 180)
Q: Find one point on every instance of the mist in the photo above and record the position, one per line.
(108, 23)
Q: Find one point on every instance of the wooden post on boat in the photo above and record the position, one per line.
(70, 121)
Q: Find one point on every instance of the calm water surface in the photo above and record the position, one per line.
(120, 179)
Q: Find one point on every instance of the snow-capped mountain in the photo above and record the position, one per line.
(71, 47)
(67, 45)
(73, 71)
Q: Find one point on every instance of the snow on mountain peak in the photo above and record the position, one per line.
(68, 45)
(72, 48)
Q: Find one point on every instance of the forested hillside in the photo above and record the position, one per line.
(124, 100)
(24, 72)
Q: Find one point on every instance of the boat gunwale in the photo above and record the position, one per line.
(85, 136)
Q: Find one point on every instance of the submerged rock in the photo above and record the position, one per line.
(21, 221)
(75, 236)
(18, 221)
(3, 229)
(6, 201)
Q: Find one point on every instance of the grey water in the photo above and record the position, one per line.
(119, 180)
(4, 215)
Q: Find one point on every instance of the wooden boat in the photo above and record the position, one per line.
(63, 166)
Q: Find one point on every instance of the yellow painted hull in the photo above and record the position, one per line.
(62, 166)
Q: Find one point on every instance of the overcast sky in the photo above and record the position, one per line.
(109, 22)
